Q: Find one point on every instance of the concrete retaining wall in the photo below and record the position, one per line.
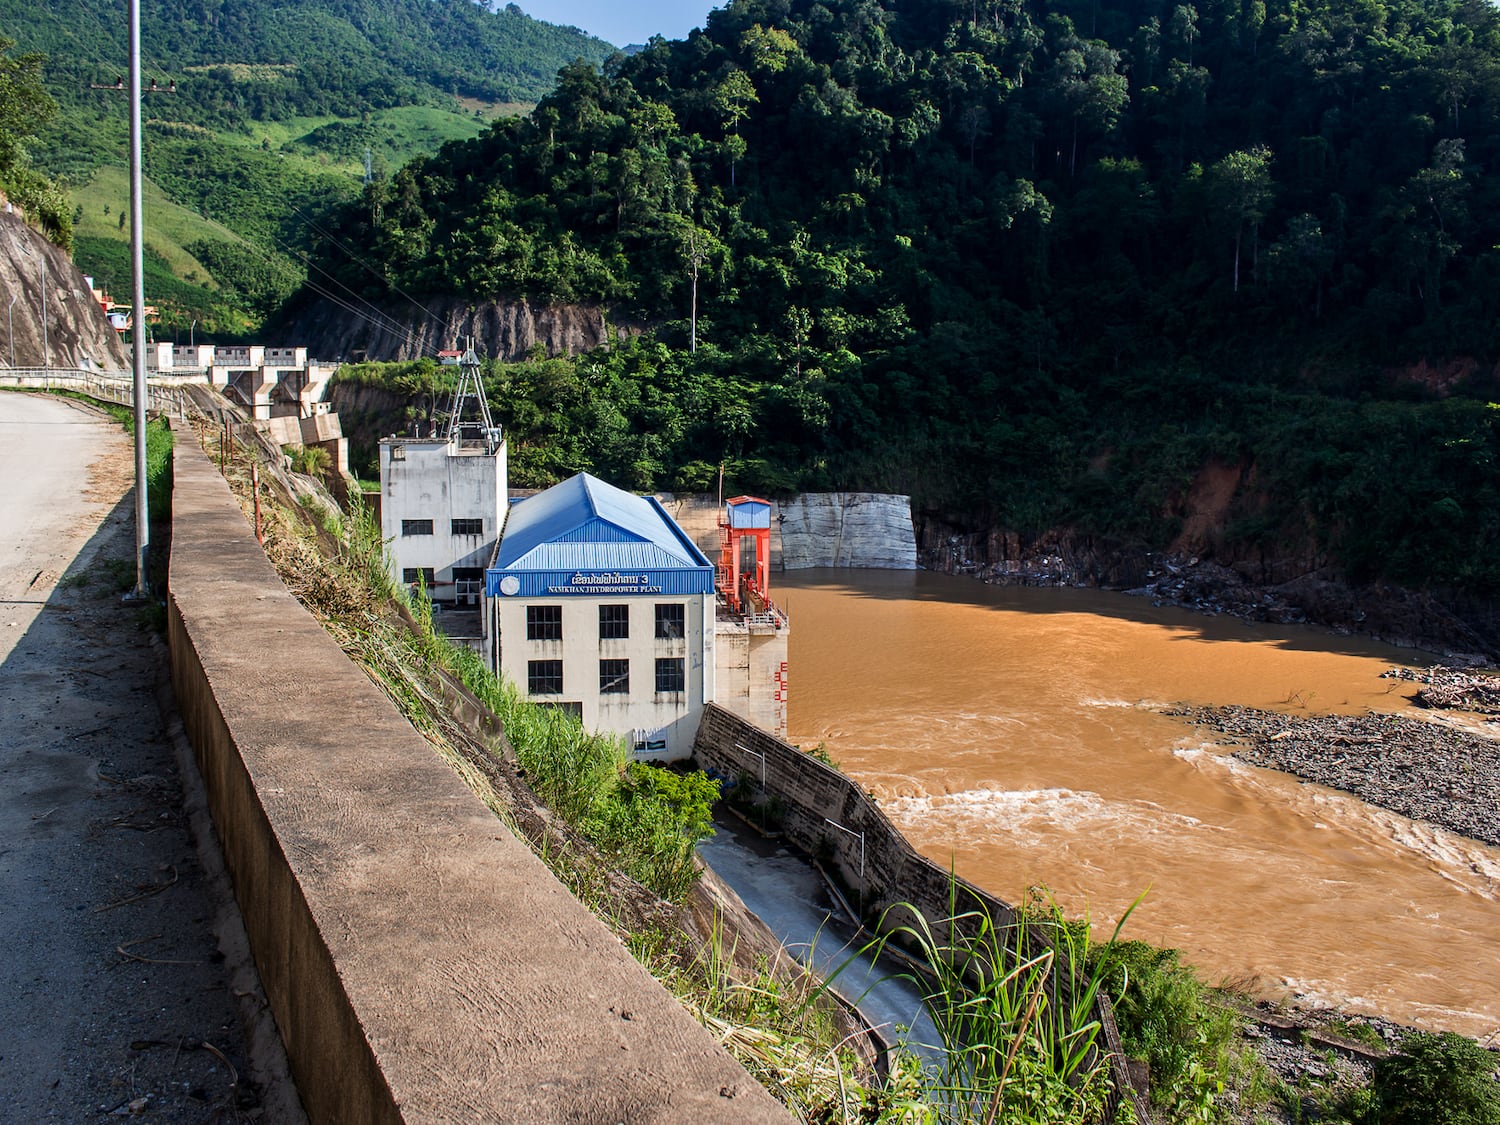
(832, 818)
(870, 530)
(855, 529)
(421, 964)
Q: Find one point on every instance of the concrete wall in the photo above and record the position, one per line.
(422, 965)
(752, 679)
(832, 818)
(869, 530)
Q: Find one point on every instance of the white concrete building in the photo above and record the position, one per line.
(599, 603)
(441, 509)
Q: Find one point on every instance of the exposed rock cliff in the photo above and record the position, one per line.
(76, 332)
(402, 330)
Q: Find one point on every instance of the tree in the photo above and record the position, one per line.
(732, 99)
(24, 103)
(1240, 186)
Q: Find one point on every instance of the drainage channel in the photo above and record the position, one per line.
(779, 883)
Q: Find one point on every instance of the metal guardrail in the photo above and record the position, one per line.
(106, 386)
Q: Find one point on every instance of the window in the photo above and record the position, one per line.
(398, 453)
(670, 676)
(411, 575)
(544, 623)
(670, 621)
(544, 677)
(416, 527)
(468, 584)
(614, 622)
(468, 527)
(614, 677)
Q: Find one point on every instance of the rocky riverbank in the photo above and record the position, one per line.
(1425, 770)
(1286, 592)
(1452, 689)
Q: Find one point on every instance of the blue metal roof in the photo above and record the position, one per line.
(584, 524)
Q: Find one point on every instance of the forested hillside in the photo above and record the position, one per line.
(1036, 264)
(274, 109)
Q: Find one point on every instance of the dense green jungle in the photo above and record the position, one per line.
(1037, 265)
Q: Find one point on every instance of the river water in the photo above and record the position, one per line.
(1016, 733)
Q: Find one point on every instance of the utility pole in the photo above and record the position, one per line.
(41, 267)
(138, 302)
(10, 316)
(138, 295)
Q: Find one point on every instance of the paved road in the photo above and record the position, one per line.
(111, 975)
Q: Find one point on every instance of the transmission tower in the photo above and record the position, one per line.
(471, 388)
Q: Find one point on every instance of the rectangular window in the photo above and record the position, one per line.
(411, 575)
(416, 527)
(468, 527)
(398, 453)
(544, 677)
(544, 623)
(614, 677)
(468, 584)
(670, 676)
(671, 621)
(614, 622)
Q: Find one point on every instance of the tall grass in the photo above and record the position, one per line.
(1013, 1001)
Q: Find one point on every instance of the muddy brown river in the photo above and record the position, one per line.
(1015, 733)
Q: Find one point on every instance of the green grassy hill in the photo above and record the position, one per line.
(275, 113)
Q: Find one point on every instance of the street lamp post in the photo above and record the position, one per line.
(10, 316)
(41, 267)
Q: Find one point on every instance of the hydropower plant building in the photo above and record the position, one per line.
(597, 602)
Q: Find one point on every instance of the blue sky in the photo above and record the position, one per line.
(623, 22)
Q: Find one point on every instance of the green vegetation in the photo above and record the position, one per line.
(646, 820)
(272, 113)
(1014, 1006)
(1034, 268)
(24, 108)
(1180, 1028)
(1437, 1080)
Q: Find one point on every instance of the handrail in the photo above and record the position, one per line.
(107, 386)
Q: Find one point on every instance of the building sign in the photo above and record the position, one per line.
(598, 583)
(606, 583)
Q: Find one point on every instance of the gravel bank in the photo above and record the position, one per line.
(1452, 689)
(1423, 770)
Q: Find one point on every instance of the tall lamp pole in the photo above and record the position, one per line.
(10, 316)
(138, 303)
